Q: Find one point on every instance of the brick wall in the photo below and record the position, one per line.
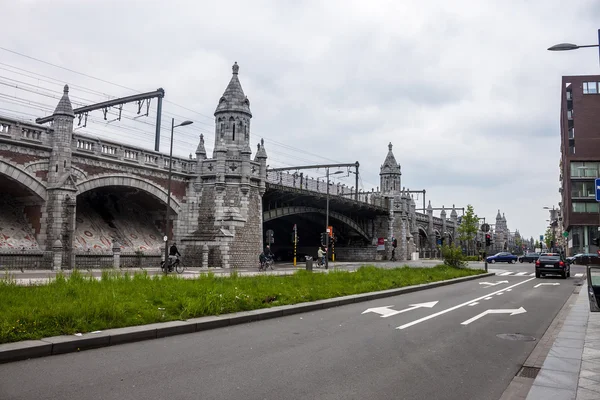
(247, 244)
(368, 253)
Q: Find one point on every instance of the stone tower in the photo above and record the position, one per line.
(390, 174)
(229, 188)
(62, 189)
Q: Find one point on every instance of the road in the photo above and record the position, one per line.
(442, 352)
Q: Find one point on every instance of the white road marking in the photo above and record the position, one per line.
(578, 275)
(532, 274)
(492, 283)
(473, 304)
(546, 284)
(386, 312)
(509, 290)
(511, 312)
(520, 273)
(498, 294)
(458, 306)
(487, 298)
(505, 273)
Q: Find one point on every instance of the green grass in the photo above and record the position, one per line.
(82, 304)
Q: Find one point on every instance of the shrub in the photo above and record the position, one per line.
(453, 256)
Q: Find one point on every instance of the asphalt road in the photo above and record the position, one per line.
(338, 353)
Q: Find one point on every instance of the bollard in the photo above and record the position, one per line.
(309, 263)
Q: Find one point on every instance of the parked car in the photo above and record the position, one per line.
(584, 259)
(502, 257)
(553, 264)
(529, 257)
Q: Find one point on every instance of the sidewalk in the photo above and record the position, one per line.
(572, 368)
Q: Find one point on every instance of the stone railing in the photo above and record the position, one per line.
(300, 181)
(27, 132)
(84, 144)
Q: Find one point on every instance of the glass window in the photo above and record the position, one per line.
(590, 88)
(580, 207)
(570, 114)
(572, 133)
(584, 169)
(583, 189)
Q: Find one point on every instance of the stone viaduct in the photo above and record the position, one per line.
(68, 193)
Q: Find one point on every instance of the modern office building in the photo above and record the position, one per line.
(580, 161)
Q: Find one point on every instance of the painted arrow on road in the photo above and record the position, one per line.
(511, 312)
(492, 284)
(549, 284)
(386, 312)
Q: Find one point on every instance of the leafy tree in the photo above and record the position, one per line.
(467, 230)
(537, 244)
(548, 237)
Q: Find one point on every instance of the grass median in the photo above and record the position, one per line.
(80, 303)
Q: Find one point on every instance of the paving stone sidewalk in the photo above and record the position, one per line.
(572, 368)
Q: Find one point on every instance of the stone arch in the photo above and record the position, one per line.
(285, 211)
(23, 177)
(423, 241)
(136, 182)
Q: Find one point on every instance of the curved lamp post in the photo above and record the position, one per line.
(166, 238)
(571, 46)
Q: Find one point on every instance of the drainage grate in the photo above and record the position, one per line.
(529, 372)
(516, 336)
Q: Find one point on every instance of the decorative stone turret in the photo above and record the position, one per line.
(230, 186)
(62, 185)
(390, 174)
(444, 227)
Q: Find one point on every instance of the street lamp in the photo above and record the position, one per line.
(571, 46)
(166, 238)
(327, 219)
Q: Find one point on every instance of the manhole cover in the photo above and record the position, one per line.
(516, 336)
(529, 372)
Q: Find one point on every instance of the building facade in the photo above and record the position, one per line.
(580, 161)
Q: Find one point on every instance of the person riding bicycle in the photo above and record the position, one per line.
(321, 255)
(173, 254)
(268, 253)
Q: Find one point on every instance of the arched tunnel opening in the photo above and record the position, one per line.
(133, 218)
(309, 228)
(20, 216)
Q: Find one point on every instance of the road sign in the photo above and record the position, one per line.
(330, 230)
(485, 227)
(565, 234)
(541, 238)
(597, 180)
(164, 238)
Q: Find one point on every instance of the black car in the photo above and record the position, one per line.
(553, 264)
(529, 257)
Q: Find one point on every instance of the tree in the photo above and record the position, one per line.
(537, 245)
(467, 230)
(548, 238)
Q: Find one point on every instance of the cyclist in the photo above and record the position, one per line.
(173, 254)
(268, 253)
(321, 255)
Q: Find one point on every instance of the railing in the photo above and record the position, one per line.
(140, 260)
(432, 254)
(90, 260)
(320, 186)
(17, 130)
(26, 259)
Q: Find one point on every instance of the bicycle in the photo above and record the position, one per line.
(175, 265)
(265, 265)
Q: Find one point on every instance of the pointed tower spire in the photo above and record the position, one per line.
(64, 106)
(390, 173)
(443, 213)
(233, 98)
(200, 150)
(261, 153)
(453, 213)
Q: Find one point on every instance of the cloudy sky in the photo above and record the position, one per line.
(465, 90)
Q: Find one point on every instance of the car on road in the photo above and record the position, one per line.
(529, 257)
(584, 259)
(503, 256)
(553, 264)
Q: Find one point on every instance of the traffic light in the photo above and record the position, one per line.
(323, 238)
(488, 239)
